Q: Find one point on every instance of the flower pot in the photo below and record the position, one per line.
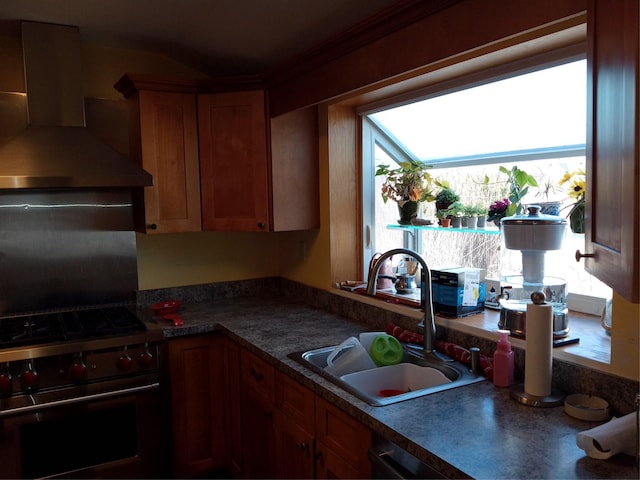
(456, 222)
(445, 222)
(408, 211)
(549, 208)
(482, 221)
(576, 219)
(472, 222)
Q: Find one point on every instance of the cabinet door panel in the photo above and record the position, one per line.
(233, 161)
(294, 449)
(169, 150)
(197, 405)
(613, 198)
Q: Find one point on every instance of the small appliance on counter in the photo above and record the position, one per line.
(533, 234)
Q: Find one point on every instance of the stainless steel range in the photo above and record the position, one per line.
(80, 395)
(69, 357)
(79, 366)
(81, 388)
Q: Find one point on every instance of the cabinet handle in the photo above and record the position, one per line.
(304, 446)
(261, 225)
(153, 226)
(580, 255)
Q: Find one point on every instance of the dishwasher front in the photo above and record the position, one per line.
(388, 460)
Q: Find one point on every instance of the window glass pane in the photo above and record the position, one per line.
(540, 109)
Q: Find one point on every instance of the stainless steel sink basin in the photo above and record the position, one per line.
(414, 377)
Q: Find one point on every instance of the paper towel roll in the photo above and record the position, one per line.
(619, 435)
(538, 357)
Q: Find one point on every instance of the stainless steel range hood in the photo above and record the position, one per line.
(56, 150)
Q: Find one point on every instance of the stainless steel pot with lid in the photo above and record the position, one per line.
(533, 231)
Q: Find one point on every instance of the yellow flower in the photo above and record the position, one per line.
(576, 181)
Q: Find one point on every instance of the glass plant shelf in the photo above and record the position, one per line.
(488, 230)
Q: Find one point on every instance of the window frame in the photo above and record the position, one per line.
(375, 134)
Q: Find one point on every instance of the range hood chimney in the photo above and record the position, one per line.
(56, 150)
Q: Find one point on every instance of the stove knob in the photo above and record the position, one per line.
(124, 362)
(78, 370)
(5, 383)
(29, 378)
(145, 359)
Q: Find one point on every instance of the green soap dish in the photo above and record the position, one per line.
(386, 350)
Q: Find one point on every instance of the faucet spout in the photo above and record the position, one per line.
(428, 320)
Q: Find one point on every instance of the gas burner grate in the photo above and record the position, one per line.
(71, 325)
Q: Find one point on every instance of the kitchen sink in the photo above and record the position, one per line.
(414, 377)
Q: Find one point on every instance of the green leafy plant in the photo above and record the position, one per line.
(447, 196)
(456, 209)
(518, 182)
(408, 182)
(474, 210)
(440, 214)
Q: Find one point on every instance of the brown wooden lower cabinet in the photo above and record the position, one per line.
(197, 405)
(277, 428)
(342, 444)
(233, 412)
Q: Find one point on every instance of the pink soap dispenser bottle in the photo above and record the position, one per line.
(503, 361)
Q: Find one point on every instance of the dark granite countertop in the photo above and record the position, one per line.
(473, 431)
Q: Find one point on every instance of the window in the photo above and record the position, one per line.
(534, 119)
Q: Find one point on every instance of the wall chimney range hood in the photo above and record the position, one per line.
(56, 150)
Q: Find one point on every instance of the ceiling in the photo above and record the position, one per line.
(214, 36)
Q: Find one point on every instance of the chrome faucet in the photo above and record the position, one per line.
(428, 321)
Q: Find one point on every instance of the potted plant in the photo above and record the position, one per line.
(407, 185)
(518, 182)
(498, 210)
(443, 218)
(546, 190)
(470, 213)
(445, 197)
(576, 190)
(481, 213)
(455, 213)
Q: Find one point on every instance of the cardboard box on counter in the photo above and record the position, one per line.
(458, 291)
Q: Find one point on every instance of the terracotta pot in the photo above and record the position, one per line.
(445, 222)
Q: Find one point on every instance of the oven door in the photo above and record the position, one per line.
(121, 437)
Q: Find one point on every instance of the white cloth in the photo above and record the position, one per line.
(618, 435)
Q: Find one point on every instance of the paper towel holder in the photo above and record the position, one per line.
(555, 397)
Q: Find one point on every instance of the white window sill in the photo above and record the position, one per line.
(592, 351)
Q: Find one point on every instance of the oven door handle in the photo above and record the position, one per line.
(85, 398)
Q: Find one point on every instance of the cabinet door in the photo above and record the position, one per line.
(196, 376)
(330, 465)
(294, 448)
(258, 427)
(233, 161)
(168, 142)
(342, 444)
(233, 413)
(612, 193)
(295, 429)
(295, 184)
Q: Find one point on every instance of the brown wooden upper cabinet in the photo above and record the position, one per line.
(233, 161)
(613, 190)
(255, 174)
(164, 140)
